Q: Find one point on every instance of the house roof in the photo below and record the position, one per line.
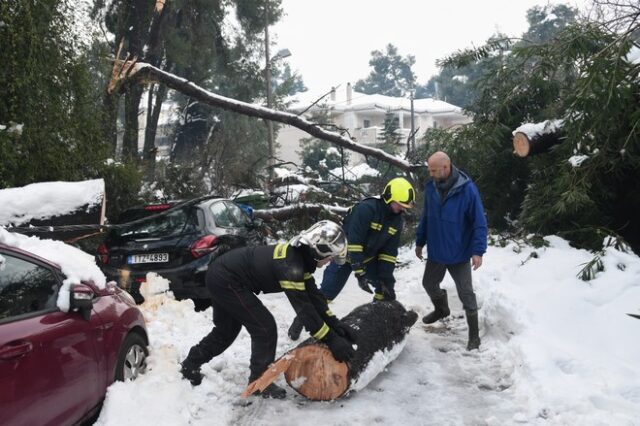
(363, 102)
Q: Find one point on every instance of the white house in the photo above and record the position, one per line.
(363, 117)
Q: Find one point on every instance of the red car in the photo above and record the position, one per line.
(55, 366)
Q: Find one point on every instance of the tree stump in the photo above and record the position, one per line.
(311, 369)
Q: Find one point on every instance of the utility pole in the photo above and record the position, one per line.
(412, 138)
(267, 72)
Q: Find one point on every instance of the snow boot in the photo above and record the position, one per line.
(295, 329)
(191, 373)
(273, 391)
(474, 332)
(441, 310)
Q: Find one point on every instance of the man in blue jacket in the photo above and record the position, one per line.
(454, 228)
(373, 228)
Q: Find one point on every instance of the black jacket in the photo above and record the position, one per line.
(272, 269)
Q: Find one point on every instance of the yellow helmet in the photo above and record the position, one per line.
(399, 190)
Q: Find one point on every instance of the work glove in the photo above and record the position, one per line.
(339, 346)
(344, 331)
(365, 283)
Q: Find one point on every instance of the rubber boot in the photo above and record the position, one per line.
(474, 332)
(295, 329)
(441, 310)
(273, 391)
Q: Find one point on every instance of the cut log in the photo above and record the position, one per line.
(311, 369)
(532, 139)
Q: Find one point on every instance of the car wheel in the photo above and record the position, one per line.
(132, 359)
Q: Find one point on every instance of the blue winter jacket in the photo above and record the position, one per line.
(455, 228)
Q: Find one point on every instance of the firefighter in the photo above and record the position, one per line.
(236, 277)
(373, 228)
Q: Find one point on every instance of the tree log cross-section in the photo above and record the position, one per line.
(536, 138)
(311, 369)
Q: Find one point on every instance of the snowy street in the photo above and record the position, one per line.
(555, 351)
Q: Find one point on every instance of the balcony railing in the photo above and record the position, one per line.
(372, 135)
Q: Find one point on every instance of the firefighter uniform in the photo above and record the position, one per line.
(235, 278)
(373, 231)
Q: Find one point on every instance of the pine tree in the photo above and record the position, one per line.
(391, 75)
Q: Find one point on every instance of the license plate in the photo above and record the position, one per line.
(148, 258)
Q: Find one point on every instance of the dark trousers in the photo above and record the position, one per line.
(461, 274)
(234, 307)
(335, 277)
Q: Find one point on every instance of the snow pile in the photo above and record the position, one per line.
(556, 350)
(48, 199)
(533, 129)
(355, 173)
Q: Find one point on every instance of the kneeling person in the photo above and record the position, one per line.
(235, 278)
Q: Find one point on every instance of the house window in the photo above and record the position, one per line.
(367, 123)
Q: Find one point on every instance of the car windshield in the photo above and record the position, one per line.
(172, 223)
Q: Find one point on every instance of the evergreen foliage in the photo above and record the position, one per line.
(49, 108)
(320, 155)
(578, 73)
(391, 75)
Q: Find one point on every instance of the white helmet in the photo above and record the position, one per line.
(326, 239)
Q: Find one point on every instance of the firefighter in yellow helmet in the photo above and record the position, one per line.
(373, 228)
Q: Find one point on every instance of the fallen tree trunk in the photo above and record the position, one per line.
(146, 73)
(311, 369)
(296, 210)
(532, 139)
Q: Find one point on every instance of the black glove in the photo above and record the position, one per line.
(365, 283)
(339, 346)
(344, 331)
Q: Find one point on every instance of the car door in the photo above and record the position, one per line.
(48, 366)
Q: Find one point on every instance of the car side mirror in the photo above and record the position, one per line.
(81, 299)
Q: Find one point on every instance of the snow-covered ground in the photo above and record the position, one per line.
(555, 351)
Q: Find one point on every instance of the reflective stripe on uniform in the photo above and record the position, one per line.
(292, 285)
(320, 334)
(392, 230)
(387, 258)
(329, 313)
(358, 271)
(355, 248)
(376, 226)
(378, 296)
(280, 252)
(307, 276)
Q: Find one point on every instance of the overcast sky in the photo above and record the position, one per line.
(331, 40)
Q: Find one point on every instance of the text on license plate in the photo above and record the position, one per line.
(148, 258)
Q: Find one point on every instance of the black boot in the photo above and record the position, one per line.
(191, 372)
(441, 310)
(273, 391)
(295, 329)
(474, 332)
